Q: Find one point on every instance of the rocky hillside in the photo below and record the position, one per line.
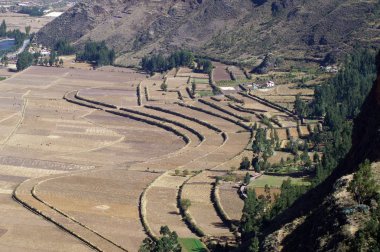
(322, 219)
(233, 30)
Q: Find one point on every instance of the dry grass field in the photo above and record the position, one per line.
(20, 21)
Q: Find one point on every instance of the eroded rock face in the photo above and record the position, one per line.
(224, 29)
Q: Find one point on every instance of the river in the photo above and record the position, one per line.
(6, 44)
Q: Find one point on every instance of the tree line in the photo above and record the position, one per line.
(33, 11)
(16, 34)
(95, 52)
(338, 101)
(160, 63)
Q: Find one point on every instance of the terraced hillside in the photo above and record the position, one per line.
(107, 156)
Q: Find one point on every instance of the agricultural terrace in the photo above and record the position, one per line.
(111, 155)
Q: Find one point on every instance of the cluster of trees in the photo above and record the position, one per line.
(339, 101)
(53, 60)
(26, 59)
(160, 63)
(16, 34)
(167, 243)
(63, 47)
(345, 93)
(97, 53)
(33, 11)
(259, 211)
(263, 148)
(204, 65)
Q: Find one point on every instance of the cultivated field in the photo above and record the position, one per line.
(107, 155)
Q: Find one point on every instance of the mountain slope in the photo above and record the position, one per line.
(238, 30)
(316, 221)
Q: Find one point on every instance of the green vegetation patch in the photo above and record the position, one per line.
(276, 181)
(230, 83)
(204, 93)
(200, 81)
(192, 245)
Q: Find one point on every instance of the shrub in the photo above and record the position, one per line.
(164, 87)
(185, 204)
(245, 164)
(363, 186)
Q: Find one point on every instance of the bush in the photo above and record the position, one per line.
(185, 204)
(363, 186)
(245, 164)
(164, 87)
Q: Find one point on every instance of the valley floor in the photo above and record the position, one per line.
(106, 156)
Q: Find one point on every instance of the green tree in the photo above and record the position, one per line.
(27, 30)
(254, 246)
(253, 211)
(168, 242)
(3, 29)
(24, 60)
(193, 87)
(185, 204)
(245, 164)
(5, 60)
(52, 58)
(247, 178)
(64, 48)
(363, 186)
(300, 107)
(368, 238)
(164, 87)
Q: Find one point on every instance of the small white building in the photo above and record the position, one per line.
(45, 52)
(270, 84)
